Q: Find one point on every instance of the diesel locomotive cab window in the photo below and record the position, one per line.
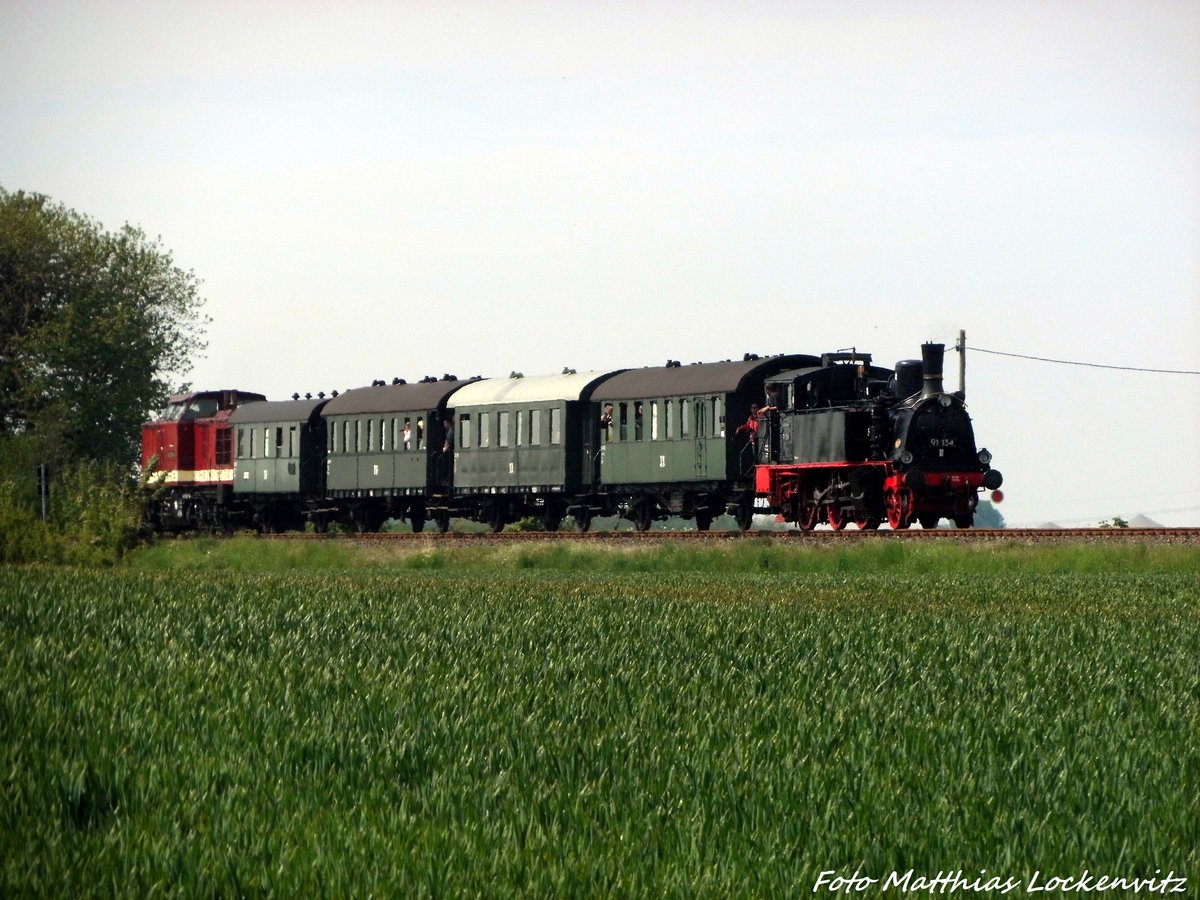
(224, 445)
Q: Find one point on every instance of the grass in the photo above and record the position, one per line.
(250, 554)
(571, 724)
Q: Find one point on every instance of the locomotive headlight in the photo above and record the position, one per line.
(906, 457)
(945, 399)
(985, 458)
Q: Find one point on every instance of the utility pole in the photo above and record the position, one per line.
(43, 477)
(962, 362)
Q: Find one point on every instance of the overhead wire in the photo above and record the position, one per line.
(1068, 362)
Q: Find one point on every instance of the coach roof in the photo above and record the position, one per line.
(698, 378)
(387, 398)
(274, 411)
(534, 389)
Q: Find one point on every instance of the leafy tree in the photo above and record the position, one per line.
(91, 322)
(988, 516)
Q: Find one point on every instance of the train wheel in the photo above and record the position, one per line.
(442, 521)
(836, 518)
(867, 523)
(703, 520)
(417, 520)
(552, 514)
(745, 514)
(899, 509)
(583, 519)
(966, 520)
(929, 522)
(495, 517)
(810, 515)
(643, 516)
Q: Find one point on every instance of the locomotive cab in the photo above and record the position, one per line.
(190, 449)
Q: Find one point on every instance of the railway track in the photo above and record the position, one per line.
(850, 535)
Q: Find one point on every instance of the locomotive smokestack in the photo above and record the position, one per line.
(931, 362)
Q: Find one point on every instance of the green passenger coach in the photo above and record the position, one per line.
(669, 441)
(277, 446)
(520, 446)
(385, 453)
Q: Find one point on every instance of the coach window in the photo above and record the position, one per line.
(291, 440)
(638, 416)
(240, 442)
(520, 442)
(267, 442)
(718, 420)
(503, 437)
(370, 434)
(667, 416)
(684, 424)
(251, 443)
(464, 431)
(654, 420)
(485, 429)
(420, 434)
(535, 427)
(622, 422)
(556, 426)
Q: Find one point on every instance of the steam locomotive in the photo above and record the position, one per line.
(822, 439)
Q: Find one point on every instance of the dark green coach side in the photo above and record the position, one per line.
(279, 460)
(669, 442)
(520, 447)
(385, 451)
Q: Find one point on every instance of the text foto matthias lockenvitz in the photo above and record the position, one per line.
(957, 881)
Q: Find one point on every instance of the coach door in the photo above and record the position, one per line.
(700, 423)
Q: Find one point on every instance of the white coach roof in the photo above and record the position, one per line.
(532, 389)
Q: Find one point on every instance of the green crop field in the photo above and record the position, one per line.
(515, 727)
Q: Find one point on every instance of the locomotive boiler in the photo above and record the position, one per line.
(850, 442)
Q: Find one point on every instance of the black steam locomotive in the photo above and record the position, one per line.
(828, 439)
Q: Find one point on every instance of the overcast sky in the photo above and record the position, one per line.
(370, 190)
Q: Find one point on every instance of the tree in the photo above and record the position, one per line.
(91, 323)
(988, 516)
